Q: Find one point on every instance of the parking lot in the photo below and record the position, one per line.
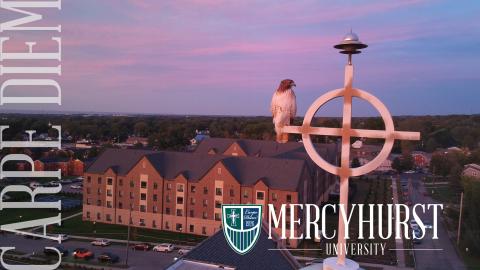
(136, 260)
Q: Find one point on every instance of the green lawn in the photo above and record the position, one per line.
(76, 226)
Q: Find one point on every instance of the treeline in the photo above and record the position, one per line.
(174, 132)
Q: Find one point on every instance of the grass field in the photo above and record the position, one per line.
(76, 226)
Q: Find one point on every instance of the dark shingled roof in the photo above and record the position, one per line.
(282, 174)
(215, 250)
(120, 160)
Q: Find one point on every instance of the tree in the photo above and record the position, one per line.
(355, 163)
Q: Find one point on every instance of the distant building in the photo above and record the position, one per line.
(67, 166)
(421, 159)
(472, 170)
(199, 137)
(183, 192)
(133, 140)
(214, 253)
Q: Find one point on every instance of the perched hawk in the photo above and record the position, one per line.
(284, 108)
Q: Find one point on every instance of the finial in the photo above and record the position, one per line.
(350, 45)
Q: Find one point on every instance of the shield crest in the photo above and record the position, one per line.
(242, 225)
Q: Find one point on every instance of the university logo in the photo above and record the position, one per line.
(242, 225)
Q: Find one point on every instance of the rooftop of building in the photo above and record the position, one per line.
(215, 251)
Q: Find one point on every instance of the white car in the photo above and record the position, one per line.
(409, 172)
(76, 186)
(163, 247)
(35, 184)
(183, 251)
(101, 242)
(54, 183)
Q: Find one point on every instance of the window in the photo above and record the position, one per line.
(179, 200)
(120, 182)
(167, 198)
(180, 187)
(143, 208)
(204, 230)
(155, 197)
(109, 192)
(205, 203)
(217, 216)
(109, 218)
(88, 201)
(179, 212)
(274, 196)
(167, 225)
(143, 184)
(120, 219)
(120, 193)
(204, 216)
(142, 222)
(155, 186)
(179, 227)
(89, 191)
(132, 184)
(218, 191)
(218, 204)
(143, 196)
(193, 188)
(155, 209)
(192, 201)
(109, 204)
(99, 180)
(99, 216)
(260, 195)
(99, 192)
(169, 186)
(288, 211)
(99, 202)
(232, 192)
(205, 190)
(88, 215)
(120, 205)
(219, 170)
(192, 228)
(167, 210)
(109, 181)
(131, 195)
(154, 224)
(289, 198)
(245, 193)
(192, 214)
(89, 179)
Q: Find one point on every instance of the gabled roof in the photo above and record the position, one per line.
(277, 173)
(120, 160)
(215, 250)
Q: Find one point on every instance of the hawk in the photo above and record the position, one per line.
(284, 108)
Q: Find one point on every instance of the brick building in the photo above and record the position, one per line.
(183, 192)
(67, 166)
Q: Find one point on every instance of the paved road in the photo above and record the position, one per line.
(137, 259)
(444, 259)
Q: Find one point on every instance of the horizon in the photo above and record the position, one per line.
(213, 58)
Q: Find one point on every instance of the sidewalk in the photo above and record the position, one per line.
(398, 242)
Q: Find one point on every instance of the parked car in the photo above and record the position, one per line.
(413, 224)
(142, 246)
(63, 237)
(54, 183)
(183, 251)
(410, 171)
(66, 181)
(51, 252)
(34, 185)
(165, 247)
(101, 242)
(108, 257)
(82, 253)
(428, 224)
(76, 186)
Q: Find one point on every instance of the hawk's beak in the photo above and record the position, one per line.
(293, 84)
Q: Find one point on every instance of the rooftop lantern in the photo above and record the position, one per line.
(350, 44)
